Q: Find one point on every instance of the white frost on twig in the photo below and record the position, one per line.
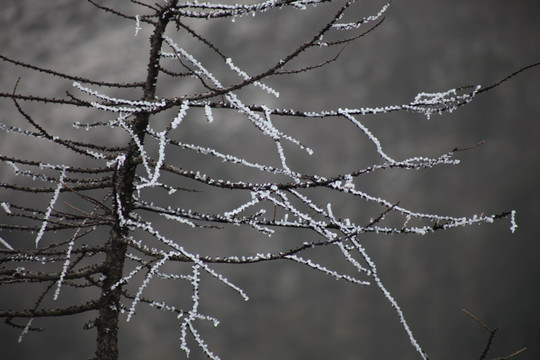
(26, 329)
(356, 25)
(137, 24)
(5, 243)
(245, 76)
(513, 223)
(366, 131)
(181, 114)
(208, 113)
(6, 207)
(50, 207)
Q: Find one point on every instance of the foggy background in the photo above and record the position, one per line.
(295, 313)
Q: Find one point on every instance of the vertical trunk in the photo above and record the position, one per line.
(107, 321)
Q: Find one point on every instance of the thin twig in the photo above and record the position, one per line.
(456, 149)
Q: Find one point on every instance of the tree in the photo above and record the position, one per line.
(95, 221)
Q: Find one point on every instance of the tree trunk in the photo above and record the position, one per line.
(109, 309)
(107, 322)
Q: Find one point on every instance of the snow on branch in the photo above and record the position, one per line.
(50, 207)
(390, 298)
(193, 314)
(208, 10)
(323, 269)
(428, 104)
(134, 105)
(370, 136)
(356, 25)
(195, 258)
(247, 77)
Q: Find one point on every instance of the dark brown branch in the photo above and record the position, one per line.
(270, 71)
(70, 77)
(201, 39)
(29, 189)
(345, 42)
(492, 332)
(75, 146)
(122, 15)
(313, 67)
(515, 353)
(52, 251)
(469, 147)
(515, 73)
(154, 8)
(71, 310)
(39, 276)
(68, 169)
(45, 99)
(173, 73)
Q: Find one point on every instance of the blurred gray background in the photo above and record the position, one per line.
(294, 313)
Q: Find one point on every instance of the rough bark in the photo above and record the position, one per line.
(109, 309)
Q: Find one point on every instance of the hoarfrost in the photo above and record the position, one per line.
(513, 223)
